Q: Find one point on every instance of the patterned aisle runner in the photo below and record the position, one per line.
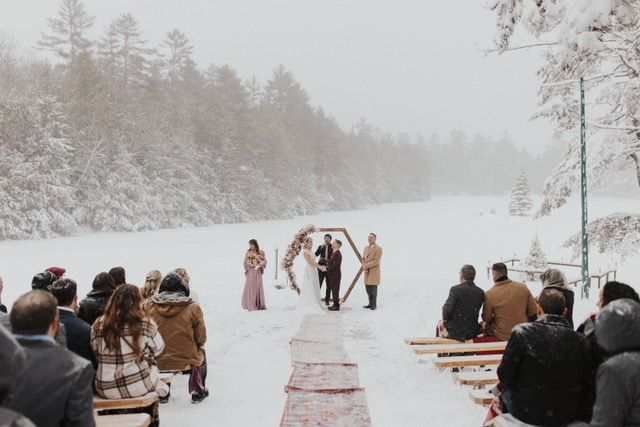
(324, 389)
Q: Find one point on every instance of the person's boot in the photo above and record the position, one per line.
(368, 305)
(334, 307)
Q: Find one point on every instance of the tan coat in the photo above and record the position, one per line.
(506, 305)
(371, 264)
(181, 324)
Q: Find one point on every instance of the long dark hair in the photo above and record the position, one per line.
(123, 311)
(255, 243)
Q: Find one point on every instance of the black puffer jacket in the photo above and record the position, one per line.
(618, 379)
(546, 367)
(93, 305)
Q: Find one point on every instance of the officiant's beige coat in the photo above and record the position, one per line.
(371, 264)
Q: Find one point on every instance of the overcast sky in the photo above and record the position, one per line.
(404, 65)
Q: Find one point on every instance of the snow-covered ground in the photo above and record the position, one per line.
(249, 359)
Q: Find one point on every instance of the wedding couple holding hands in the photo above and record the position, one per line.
(329, 267)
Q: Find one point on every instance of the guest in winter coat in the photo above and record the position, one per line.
(545, 366)
(555, 279)
(506, 304)
(55, 387)
(126, 344)
(43, 281)
(611, 291)
(78, 331)
(181, 323)
(58, 271)
(151, 284)
(618, 379)
(93, 305)
(12, 362)
(182, 272)
(461, 310)
(119, 275)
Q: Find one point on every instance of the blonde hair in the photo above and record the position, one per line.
(151, 284)
(183, 273)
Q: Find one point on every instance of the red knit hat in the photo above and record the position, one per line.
(58, 271)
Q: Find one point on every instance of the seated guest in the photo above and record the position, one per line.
(3, 308)
(618, 378)
(58, 271)
(187, 280)
(4, 317)
(78, 331)
(461, 310)
(506, 304)
(119, 275)
(96, 300)
(12, 361)
(126, 344)
(181, 324)
(55, 386)
(151, 284)
(545, 366)
(555, 279)
(42, 281)
(611, 291)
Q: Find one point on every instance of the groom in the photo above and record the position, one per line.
(334, 274)
(324, 251)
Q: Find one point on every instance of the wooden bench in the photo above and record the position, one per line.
(147, 404)
(461, 361)
(100, 403)
(433, 340)
(460, 347)
(477, 378)
(481, 397)
(123, 420)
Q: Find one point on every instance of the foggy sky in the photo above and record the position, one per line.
(404, 65)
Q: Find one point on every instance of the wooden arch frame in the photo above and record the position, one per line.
(355, 250)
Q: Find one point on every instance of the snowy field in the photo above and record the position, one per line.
(249, 359)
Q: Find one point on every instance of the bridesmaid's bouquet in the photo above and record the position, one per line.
(257, 261)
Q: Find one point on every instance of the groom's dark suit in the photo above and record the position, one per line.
(334, 275)
(324, 252)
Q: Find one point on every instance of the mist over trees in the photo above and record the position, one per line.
(124, 136)
(120, 135)
(481, 165)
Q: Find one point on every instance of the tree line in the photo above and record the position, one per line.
(122, 136)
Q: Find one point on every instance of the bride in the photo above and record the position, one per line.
(309, 302)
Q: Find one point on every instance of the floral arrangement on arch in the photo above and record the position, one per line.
(293, 250)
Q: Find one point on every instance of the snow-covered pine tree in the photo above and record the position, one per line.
(521, 202)
(596, 40)
(537, 258)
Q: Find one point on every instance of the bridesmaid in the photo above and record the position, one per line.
(254, 265)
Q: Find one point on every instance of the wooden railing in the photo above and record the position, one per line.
(573, 282)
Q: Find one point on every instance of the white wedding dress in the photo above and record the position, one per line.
(309, 302)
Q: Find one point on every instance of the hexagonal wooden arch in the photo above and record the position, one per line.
(355, 250)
